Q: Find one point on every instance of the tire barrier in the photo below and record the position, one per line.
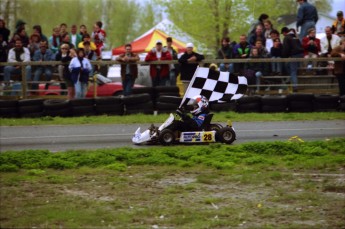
(249, 104)
(57, 107)
(109, 106)
(142, 103)
(300, 102)
(274, 104)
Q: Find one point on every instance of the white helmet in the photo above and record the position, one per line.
(199, 103)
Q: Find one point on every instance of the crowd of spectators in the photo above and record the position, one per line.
(76, 48)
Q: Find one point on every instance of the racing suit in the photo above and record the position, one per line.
(188, 123)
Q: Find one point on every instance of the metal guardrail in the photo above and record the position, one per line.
(24, 89)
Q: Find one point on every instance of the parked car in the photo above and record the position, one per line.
(105, 87)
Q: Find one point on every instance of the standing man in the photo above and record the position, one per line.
(173, 71)
(339, 68)
(129, 72)
(226, 52)
(159, 72)
(189, 63)
(242, 51)
(306, 18)
(292, 48)
(98, 35)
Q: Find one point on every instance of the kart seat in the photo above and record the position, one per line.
(206, 122)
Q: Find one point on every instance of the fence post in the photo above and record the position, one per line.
(24, 83)
(94, 85)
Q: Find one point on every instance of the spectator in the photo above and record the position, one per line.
(189, 64)
(260, 21)
(339, 67)
(82, 30)
(80, 68)
(34, 44)
(274, 34)
(284, 31)
(256, 67)
(4, 32)
(20, 24)
(65, 55)
(17, 54)
(292, 48)
(87, 37)
(311, 46)
(90, 55)
(268, 28)
(66, 40)
(263, 53)
(20, 34)
(75, 38)
(173, 71)
(257, 35)
(38, 29)
(306, 18)
(242, 50)
(129, 72)
(44, 54)
(226, 52)
(3, 53)
(63, 28)
(159, 72)
(327, 43)
(98, 36)
(276, 53)
(55, 40)
(338, 26)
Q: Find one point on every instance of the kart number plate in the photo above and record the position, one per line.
(194, 137)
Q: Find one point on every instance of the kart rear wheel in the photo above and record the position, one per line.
(167, 137)
(215, 127)
(226, 135)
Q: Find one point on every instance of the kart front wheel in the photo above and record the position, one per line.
(226, 135)
(166, 137)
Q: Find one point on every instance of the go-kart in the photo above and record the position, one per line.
(165, 135)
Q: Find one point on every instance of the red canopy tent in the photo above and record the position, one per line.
(146, 42)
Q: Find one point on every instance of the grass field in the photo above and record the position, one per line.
(253, 185)
(140, 118)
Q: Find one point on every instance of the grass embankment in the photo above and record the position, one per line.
(254, 185)
(140, 118)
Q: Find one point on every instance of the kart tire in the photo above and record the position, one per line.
(269, 108)
(8, 103)
(300, 106)
(223, 106)
(142, 90)
(215, 127)
(326, 103)
(30, 102)
(33, 115)
(61, 112)
(249, 99)
(166, 137)
(114, 109)
(56, 104)
(167, 89)
(274, 100)
(342, 106)
(248, 107)
(300, 97)
(226, 135)
(82, 102)
(342, 99)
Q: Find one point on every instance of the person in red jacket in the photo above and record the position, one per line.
(311, 46)
(159, 72)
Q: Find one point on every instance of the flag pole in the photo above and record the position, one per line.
(189, 85)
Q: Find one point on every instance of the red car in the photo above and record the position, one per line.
(105, 87)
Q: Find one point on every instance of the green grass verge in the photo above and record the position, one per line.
(141, 118)
(252, 185)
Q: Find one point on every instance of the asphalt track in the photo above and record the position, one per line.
(60, 138)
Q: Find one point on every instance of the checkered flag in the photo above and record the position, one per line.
(215, 86)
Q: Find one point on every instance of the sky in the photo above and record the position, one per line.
(336, 6)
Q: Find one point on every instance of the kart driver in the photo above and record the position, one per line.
(199, 112)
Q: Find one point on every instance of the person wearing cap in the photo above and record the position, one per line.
(292, 48)
(189, 63)
(338, 26)
(311, 46)
(339, 66)
(173, 71)
(307, 18)
(159, 72)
